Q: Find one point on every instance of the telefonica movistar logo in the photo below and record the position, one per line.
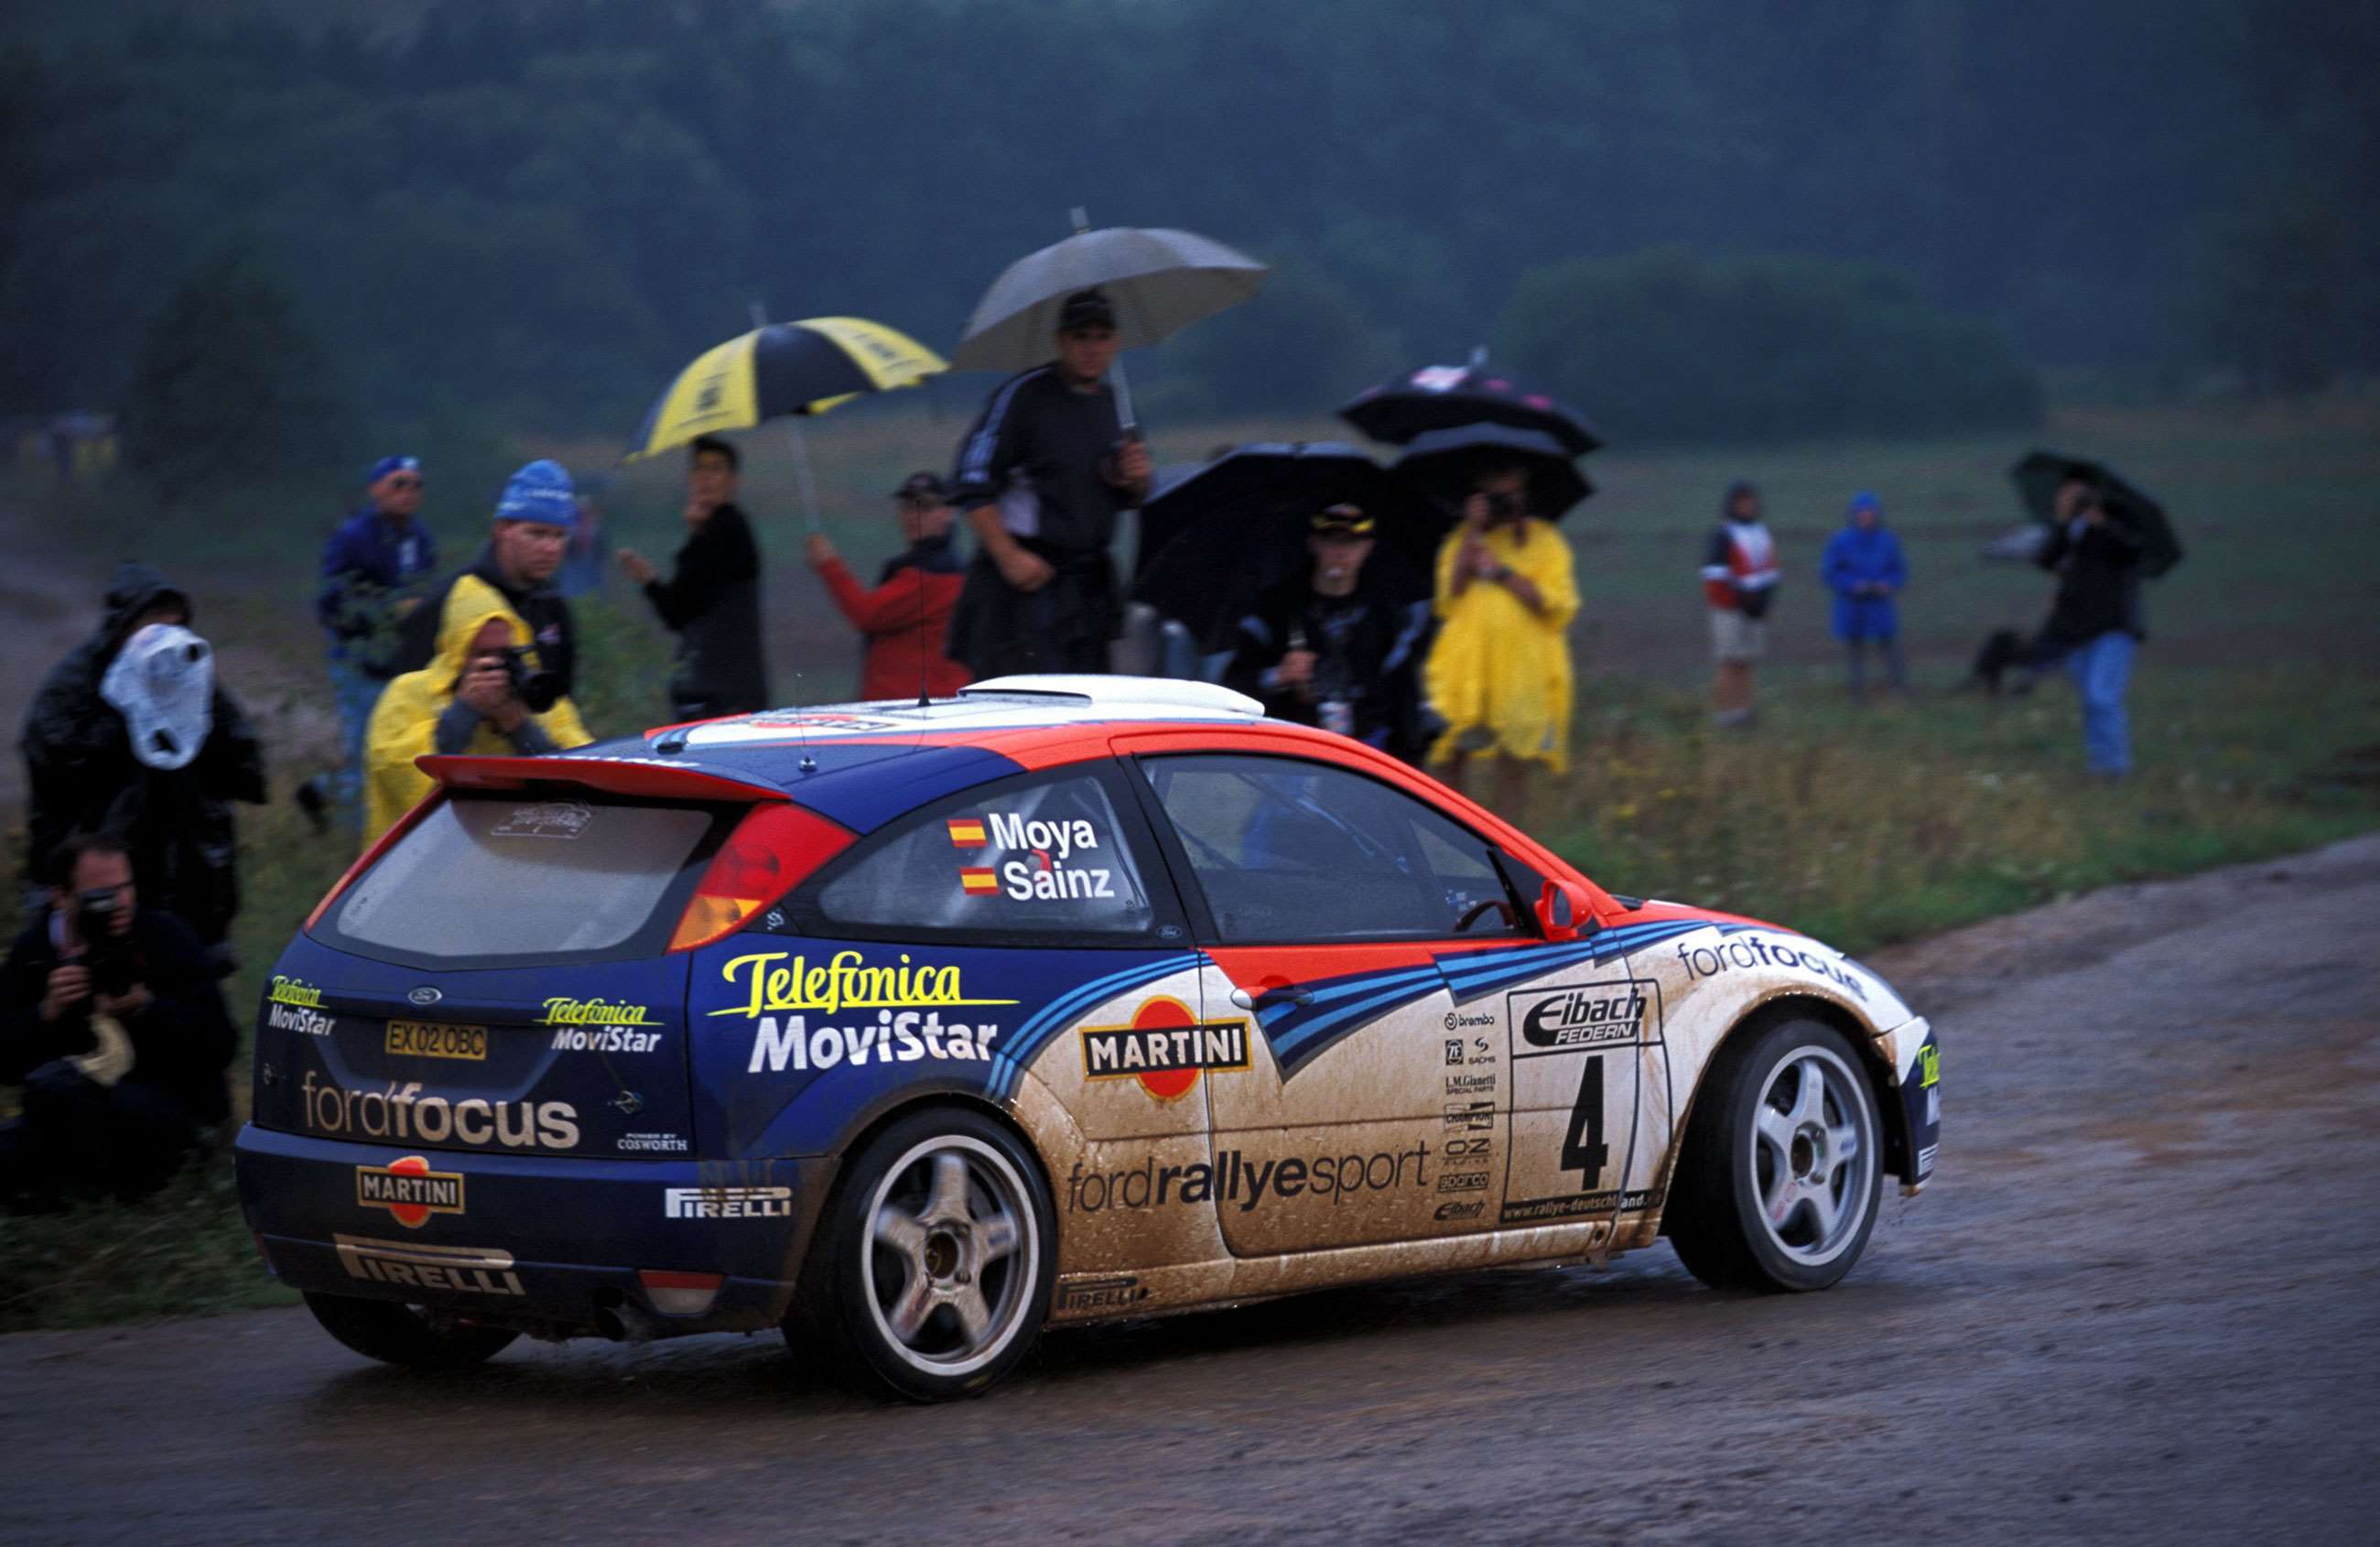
(294, 991)
(845, 982)
(594, 1011)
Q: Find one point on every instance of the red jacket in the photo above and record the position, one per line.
(906, 620)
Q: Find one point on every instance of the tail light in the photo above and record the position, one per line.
(771, 851)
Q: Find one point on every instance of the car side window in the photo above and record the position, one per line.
(1045, 857)
(1286, 849)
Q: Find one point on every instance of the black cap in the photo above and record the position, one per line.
(1341, 520)
(923, 488)
(1086, 309)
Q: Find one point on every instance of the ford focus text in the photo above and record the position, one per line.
(915, 1028)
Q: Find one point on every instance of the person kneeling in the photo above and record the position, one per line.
(483, 692)
(111, 1021)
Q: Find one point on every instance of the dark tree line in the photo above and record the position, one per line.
(538, 208)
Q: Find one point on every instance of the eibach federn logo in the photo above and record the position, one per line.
(409, 1191)
(1165, 1048)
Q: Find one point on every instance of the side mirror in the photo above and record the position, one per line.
(1562, 910)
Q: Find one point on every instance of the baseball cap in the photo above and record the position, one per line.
(1086, 309)
(922, 486)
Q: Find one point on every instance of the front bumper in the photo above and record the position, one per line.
(547, 1245)
(1920, 1104)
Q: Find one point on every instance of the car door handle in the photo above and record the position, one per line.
(1271, 996)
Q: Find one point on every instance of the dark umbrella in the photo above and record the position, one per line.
(2038, 476)
(1210, 542)
(1446, 464)
(1444, 396)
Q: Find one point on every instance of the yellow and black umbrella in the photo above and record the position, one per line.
(782, 367)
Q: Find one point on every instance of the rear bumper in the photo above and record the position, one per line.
(550, 1245)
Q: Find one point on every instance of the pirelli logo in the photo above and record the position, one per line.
(423, 1038)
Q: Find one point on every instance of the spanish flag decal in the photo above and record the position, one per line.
(977, 883)
(967, 833)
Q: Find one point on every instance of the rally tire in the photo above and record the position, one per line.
(936, 1262)
(1783, 1172)
(394, 1333)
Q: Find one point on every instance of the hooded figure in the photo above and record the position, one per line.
(92, 765)
(1863, 567)
(420, 713)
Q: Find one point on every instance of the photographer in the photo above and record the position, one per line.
(109, 1021)
(536, 517)
(485, 692)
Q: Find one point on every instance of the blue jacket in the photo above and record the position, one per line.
(1853, 557)
(365, 565)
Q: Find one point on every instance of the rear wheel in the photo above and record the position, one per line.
(936, 1260)
(1778, 1183)
(406, 1334)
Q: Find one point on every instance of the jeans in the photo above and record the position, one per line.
(358, 694)
(2102, 668)
(1889, 646)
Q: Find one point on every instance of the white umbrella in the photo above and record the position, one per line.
(1159, 280)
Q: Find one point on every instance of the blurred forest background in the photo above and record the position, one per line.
(1701, 219)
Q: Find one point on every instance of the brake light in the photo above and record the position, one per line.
(768, 855)
(676, 1294)
(365, 860)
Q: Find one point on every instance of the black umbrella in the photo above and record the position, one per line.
(1211, 540)
(2039, 474)
(1444, 396)
(1447, 463)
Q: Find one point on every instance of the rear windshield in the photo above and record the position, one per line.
(512, 877)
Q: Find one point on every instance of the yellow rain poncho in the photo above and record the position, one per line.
(405, 724)
(1499, 673)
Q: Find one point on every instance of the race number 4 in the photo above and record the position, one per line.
(1583, 1149)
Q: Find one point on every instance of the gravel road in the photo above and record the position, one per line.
(2141, 1301)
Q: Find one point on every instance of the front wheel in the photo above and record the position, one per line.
(938, 1261)
(406, 1334)
(1780, 1179)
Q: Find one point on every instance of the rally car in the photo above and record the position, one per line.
(913, 1028)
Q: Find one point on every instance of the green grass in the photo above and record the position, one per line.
(2256, 705)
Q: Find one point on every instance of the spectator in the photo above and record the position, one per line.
(1499, 673)
(582, 558)
(2095, 621)
(109, 1021)
(1326, 648)
(1740, 577)
(369, 567)
(535, 517)
(1863, 567)
(906, 618)
(713, 598)
(1042, 477)
(131, 736)
(485, 692)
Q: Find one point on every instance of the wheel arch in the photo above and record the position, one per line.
(1883, 1082)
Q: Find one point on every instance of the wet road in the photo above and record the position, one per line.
(2143, 1301)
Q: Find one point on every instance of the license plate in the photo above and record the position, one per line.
(424, 1038)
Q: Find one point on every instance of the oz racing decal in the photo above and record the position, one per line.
(457, 1270)
(409, 1191)
(1165, 1048)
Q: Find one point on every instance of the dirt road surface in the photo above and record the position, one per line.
(2141, 1303)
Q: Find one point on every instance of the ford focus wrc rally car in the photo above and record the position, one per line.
(913, 1028)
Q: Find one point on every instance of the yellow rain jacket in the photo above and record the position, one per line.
(1499, 673)
(405, 724)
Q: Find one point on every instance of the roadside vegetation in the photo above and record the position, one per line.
(2256, 710)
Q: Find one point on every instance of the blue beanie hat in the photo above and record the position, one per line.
(1866, 501)
(388, 464)
(539, 493)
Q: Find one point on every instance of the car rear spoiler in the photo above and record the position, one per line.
(610, 776)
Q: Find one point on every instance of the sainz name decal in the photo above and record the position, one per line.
(1051, 872)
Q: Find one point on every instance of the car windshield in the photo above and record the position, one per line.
(482, 880)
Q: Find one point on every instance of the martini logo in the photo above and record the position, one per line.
(408, 1189)
(1580, 1016)
(1165, 1048)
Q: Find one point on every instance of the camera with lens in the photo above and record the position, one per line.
(106, 954)
(538, 690)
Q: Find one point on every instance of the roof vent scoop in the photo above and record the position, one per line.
(1135, 692)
